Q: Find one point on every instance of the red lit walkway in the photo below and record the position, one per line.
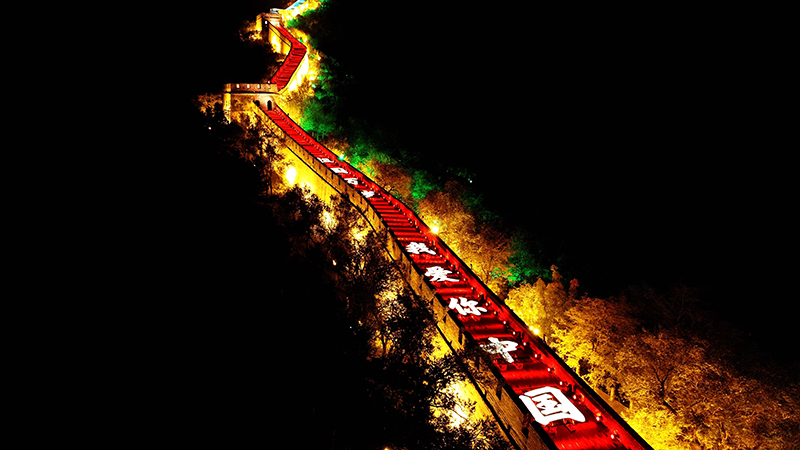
(284, 73)
(292, 61)
(554, 398)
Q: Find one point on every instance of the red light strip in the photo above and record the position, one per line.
(292, 61)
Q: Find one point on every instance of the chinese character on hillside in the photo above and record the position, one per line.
(368, 194)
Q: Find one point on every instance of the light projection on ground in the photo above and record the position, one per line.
(496, 346)
(465, 306)
(419, 247)
(548, 404)
(438, 274)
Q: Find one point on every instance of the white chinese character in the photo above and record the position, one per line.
(548, 404)
(325, 160)
(503, 347)
(465, 306)
(438, 274)
(352, 181)
(367, 194)
(416, 247)
(339, 170)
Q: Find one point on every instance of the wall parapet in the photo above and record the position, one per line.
(266, 88)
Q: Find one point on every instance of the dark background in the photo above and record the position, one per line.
(646, 143)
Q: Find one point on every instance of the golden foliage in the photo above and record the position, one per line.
(205, 102)
(542, 304)
(657, 427)
(682, 389)
(394, 179)
(526, 301)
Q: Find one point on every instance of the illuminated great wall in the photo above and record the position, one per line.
(538, 401)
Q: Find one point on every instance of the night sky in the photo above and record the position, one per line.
(645, 141)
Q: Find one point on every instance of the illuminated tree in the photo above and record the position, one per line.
(365, 274)
(526, 300)
(267, 163)
(683, 384)
(300, 212)
(650, 364)
(457, 225)
(492, 249)
(421, 184)
(395, 395)
(657, 427)
(394, 179)
(542, 304)
(651, 368)
(429, 381)
(723, 405)
(590, 333)
(556, 302)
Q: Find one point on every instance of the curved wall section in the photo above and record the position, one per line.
(296, 57)
(539, 401)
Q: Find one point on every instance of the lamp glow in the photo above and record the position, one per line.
(291, 174)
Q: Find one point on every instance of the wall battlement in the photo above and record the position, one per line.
(251, 88)
(238, 96)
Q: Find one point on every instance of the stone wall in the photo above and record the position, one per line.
(500, 401)
(280, 43)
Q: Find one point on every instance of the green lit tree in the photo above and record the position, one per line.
(526, 264)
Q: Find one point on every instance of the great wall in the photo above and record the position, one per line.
(537, 400)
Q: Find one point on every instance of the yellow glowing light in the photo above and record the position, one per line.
(434, 229)
(276, 44)
(329, 222)
(359, 235)
(535, 330)
(299, 75)
(291, 174)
